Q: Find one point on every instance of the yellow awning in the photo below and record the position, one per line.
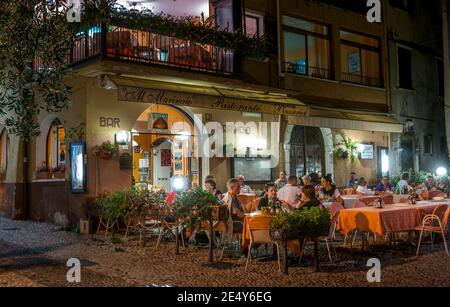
(150, 91)
(336, 119)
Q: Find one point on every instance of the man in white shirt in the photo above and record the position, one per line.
(245, 189)
(290, 193)
(362, 187)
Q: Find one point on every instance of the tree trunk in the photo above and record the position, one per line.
(446, 62)
(26, 213)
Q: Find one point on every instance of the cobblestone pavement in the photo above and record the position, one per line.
(35, 254)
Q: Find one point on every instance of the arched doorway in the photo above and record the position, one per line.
(163, 146)
(306, 151)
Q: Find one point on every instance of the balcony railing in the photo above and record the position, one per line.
(363, 80)
(310, 71)
(149, 48)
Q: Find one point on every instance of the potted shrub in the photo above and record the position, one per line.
(106, 150)
(112, 208)
(310, 223)
(43, 172)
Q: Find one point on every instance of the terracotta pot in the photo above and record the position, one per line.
(104, 155)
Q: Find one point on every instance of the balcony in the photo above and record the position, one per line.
(362, 80)
(309, 71)
(150, 48)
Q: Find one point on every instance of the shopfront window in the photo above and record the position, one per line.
(56, 147)
(306, 47)
(360, 59)
(3, 150)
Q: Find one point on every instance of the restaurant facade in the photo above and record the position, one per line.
(177, 108)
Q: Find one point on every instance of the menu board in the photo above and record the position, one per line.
(367, 152)
(78, 167)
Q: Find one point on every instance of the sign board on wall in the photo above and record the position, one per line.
(367, 152)
(354, 63)
(145, 95)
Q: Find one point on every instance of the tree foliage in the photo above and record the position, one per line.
(32, 30)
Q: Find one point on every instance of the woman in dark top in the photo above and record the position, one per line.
(211, 187)
(270, 195)
(308, 199)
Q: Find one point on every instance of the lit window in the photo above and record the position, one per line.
(254, 24)
(56, 147)
(360, 59)
(306, 48)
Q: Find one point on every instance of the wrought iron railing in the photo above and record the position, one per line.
(363, 80)
(309, 71)
(150, 48)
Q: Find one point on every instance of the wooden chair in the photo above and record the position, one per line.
(434, 223)
(259, 229)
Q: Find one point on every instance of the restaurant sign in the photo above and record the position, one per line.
(144, 95)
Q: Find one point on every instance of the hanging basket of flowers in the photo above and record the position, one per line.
(106, 150)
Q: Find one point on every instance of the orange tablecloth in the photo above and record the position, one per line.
(392, 218)
(293, 245)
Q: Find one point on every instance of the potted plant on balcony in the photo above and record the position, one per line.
(58, 172)
(106, 150)
(43, 172)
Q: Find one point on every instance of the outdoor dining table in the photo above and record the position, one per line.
(400, 217)
(350, 200)
(293, 245)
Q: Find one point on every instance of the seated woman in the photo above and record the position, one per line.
(363, 189)
(270, 196)
(328, 190)
(234, 205)
(308, 198)
(211, 187)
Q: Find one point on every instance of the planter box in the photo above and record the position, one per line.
(43, 176)
(50, 176)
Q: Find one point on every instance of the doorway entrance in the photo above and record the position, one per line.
(163, 147)
(307, 151)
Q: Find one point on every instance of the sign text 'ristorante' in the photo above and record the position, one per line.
(144, 95)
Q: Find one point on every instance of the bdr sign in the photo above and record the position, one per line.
(109, 122)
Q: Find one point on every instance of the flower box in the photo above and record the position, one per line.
(43, 175)
(50, 176)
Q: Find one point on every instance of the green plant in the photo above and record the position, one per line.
(114, 206)
(312, 223)
(43, 168)
(106, 148)
(74, 134)
(346, 148)
(195, 205)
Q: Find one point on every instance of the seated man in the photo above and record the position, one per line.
(384, 185)
(234, 205)
(289, 195)
(429, 184)
(352, 182)
(245, 189)
(270, 196)
(363, 189)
